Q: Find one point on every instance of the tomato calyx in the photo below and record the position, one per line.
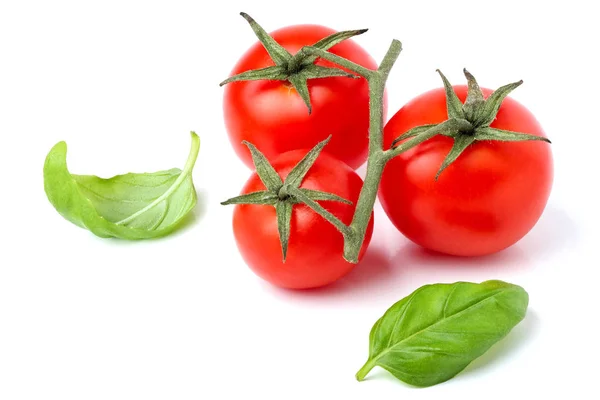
(283, 195)
(472, 119)
(296, 69)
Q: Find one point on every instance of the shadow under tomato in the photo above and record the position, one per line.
(388, 275)
(555, 232)
(373, 270)
(416, 257)
(384, 277)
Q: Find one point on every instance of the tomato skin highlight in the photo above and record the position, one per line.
(484, 202)
(272, 116)
(315, 252)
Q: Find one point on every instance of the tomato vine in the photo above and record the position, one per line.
(466, 124)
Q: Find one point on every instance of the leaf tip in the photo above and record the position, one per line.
(59, 147)
(195, 147)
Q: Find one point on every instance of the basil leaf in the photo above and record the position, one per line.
(434, 333)
(129, 206)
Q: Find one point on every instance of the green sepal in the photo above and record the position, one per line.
(298, 173)
(317, 195)
(461, 142)
(506, 136)
(300, 79)
(263, 197)
(473, 106)
(278, 53)
(301, 85)
(493, 103)
(329, 42)
(318, 72)
(264, 169)
(284, 221)
(319, 209)
(276, 73)
(453, 103)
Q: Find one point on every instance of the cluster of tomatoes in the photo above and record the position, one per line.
(487, 200)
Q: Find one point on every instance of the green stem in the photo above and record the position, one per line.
(362, 373)
(364, 208)
(450, 126)
(377, 157)
(390, 58)
(354, 235)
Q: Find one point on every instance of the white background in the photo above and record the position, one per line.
(183, 317)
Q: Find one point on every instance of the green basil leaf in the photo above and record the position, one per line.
(129, 206)
(434, 333)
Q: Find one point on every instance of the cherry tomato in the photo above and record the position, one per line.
(485, 201)
(272, 116)
(315, 249)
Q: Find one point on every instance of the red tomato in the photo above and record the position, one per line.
(487, 200)
(315, 248)
(273, 117)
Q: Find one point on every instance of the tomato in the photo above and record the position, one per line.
(315, 248)
(485, 201)
(272, 116)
